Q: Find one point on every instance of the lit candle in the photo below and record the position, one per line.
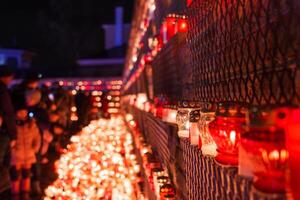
(183, 122)
(171, 23)
(206, 142)
(264, 144)
(194, 133)
(232, 137)
(274, 155)
(188, 2)
(225, 130)
(182, 25)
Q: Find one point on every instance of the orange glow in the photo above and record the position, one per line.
(98, 164)
(232, 137)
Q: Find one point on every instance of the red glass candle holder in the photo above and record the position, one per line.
(171, 23)
(188, 2)
(148, 59)
(226, 131)
(182, 25)
(264, 139)
(165, 190)
(159, 43)
(159, 111)
(293, 147)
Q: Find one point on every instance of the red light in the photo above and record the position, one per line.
(171, 26)
(148, 58)
(264, 142)
(182, 25)
(293, 147)
(226, 131)
(159, 111)
(188, 2)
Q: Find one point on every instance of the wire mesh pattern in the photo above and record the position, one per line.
(168, 66)
(195, 176)
(205, 179)
(163, 137)
(245, 51)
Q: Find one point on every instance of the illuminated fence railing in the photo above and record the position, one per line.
(235, 52)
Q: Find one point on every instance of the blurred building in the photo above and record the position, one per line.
(16, 58)
(111, 62)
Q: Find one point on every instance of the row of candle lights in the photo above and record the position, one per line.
(137, 36)
(100, 163)
(263, 142)
(156, 174)
(171, 25)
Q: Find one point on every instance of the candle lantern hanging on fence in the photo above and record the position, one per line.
(264, 140)
(182, 24)
(194, 133)
(157, 172)
(171, 23)
(166, 189)
(226, 129)
(182, 119)
(160, 181)
(148, 58)
(206, 142)
(188, 2)
(293, 147)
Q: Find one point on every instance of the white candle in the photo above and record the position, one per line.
(194, 134)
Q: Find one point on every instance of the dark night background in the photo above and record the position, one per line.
(58, 31)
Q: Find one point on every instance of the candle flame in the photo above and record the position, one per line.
(274, 155)
(284, 155)
(232, 136)
(98, 163)
(187, 125)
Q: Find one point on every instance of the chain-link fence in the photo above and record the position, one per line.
(245, 51)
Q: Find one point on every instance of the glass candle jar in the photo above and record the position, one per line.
(182, 24)
(160, 181)
(226, 130)
(264, 140)
(194, 134)
(157, 172)
(188, 2)
(166, 190)
(206, 142)
(171, 22)
(182, 119)
(168, 197)
(293, 147)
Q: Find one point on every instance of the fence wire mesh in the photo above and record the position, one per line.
(245, 51)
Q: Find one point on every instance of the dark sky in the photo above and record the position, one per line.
(59, 31)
